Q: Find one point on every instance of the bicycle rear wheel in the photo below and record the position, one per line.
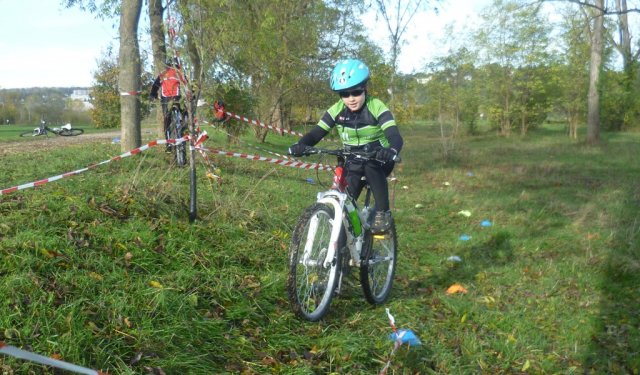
(310, 284)
(176, 132)
(70, 132)
(378, 265)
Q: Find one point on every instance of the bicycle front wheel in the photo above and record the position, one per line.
(70, 132)
(311, 284)
(30, 134)
(378, 265)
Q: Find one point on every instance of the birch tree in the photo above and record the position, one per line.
(129, 76)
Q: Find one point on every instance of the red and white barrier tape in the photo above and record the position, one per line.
(285, 163)
(198, 146)
(247, 143)
(262, 124)
(47, 361)
(91, 166)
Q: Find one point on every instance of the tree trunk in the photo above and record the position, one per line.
(628, 61)
(159, 48)
(129, 77)
(593, 99)
(506, 116)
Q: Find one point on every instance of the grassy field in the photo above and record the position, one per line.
(11, 133)
(104, 270)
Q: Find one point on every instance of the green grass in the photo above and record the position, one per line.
(104, 269)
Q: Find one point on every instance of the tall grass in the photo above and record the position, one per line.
(104, 270)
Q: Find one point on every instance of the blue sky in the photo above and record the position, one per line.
(47, 45)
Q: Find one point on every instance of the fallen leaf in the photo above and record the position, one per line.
(155, 284)
(465, 213)
(456, 288)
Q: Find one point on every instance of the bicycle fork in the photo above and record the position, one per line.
(340, 202)
(337, 203)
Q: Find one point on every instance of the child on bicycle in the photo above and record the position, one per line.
(364, 123)
(167, 84)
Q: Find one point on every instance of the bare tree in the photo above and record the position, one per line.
(596, 11)
(129, 76)
(159, 48)
(397, 15)
(595, 67)
(629, 61)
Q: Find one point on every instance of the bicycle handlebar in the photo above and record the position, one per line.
(362, 155)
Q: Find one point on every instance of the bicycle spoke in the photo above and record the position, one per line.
(310, 283)
(378, 266)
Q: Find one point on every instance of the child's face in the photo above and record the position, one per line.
(354, 99)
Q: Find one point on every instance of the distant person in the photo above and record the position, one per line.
(364, 123)
(167, 84)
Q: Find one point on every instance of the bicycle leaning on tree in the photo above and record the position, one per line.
(65, 130)
(331, 237)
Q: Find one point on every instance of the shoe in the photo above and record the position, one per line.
(168, 149)
(381, 222)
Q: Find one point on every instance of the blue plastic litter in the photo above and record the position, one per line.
(485, 223)
(465, 237)
(115, 140)
(470, 174)
(407, 338)
(310, 181)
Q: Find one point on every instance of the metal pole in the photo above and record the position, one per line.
(193, 211)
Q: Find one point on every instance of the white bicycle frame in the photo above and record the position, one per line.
(337, 200)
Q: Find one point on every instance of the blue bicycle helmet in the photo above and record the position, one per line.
(349, 74)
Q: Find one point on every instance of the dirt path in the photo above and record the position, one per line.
(52, 142)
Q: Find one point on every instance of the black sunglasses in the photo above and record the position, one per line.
(354, 93)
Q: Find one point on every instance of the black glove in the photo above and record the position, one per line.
(386, 154)
(297, 149)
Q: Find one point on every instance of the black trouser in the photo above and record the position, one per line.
(376, 175)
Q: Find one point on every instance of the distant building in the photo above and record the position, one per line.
(82, 95)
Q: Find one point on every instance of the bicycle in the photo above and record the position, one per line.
(330, 238)
(176, 130)
(43, 129)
